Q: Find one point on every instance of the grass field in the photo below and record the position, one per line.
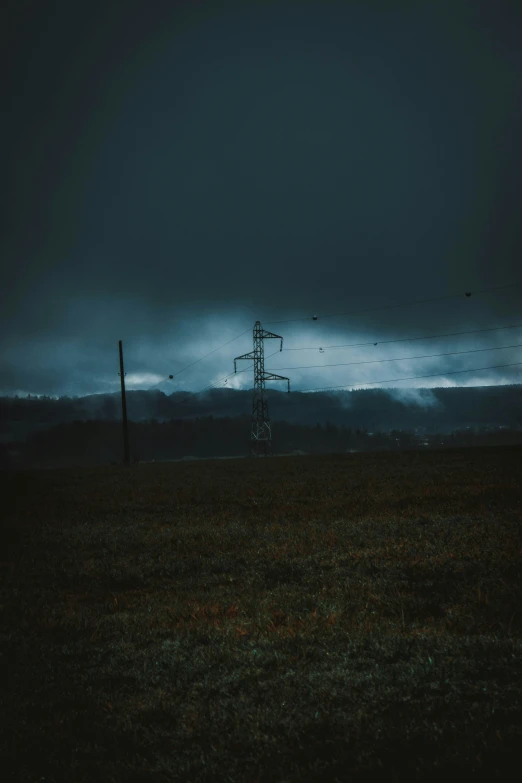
(333, 618)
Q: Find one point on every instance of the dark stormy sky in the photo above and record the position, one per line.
(175, 171)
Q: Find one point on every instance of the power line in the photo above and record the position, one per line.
(214, 351)
(199, 360)
(413, 377)
(402, 340)
(170, 377)
(334, 315)
(399, 358)
(213, 385)
(389, 307)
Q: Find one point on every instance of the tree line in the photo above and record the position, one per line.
(95, 442)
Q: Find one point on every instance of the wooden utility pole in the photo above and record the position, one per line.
(126, 458)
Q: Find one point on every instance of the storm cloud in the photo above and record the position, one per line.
(177, 171)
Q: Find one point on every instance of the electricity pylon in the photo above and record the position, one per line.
(261, 436)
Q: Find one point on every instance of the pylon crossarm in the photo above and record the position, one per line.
(270, 334)
(270, 377)
(245, 356)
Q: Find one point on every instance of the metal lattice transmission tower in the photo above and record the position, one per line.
(261, 436)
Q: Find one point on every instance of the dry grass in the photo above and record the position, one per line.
(311, 618)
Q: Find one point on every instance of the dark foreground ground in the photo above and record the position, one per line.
(343, 618)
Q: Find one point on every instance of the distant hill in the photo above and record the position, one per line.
(440, 410)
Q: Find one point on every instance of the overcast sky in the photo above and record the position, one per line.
(176, 171)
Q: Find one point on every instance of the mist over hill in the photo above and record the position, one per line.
(426, 410)
(44, 432)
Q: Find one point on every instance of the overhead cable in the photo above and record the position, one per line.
(214, 384)
(200, 359)
(397, 359)
(334, 315)
(390, 307)
(403, 340)
(413, 377)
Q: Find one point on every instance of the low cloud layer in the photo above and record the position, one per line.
(177, 175)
